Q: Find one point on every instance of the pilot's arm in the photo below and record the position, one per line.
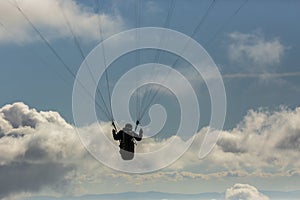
(116, 135)
(139, 136)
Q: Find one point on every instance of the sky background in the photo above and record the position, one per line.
(256, 48)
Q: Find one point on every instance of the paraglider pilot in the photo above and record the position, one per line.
(127, 138)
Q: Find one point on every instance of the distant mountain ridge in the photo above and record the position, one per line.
(161, 195)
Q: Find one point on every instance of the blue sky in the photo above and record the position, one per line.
(255, 49)
(37, 70)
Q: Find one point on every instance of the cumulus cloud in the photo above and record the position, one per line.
(255, 49)
(48, 17)
(264, 139)
(40, 150)
(244, 192)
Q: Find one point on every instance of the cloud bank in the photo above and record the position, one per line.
(39, 151)
(48, 17)
(263, 140)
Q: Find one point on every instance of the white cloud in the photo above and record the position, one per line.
(255, 49)
(262, 140)
(153, 7)
(264, 144)
(244, 192)
(47, 16)
(39, 149)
